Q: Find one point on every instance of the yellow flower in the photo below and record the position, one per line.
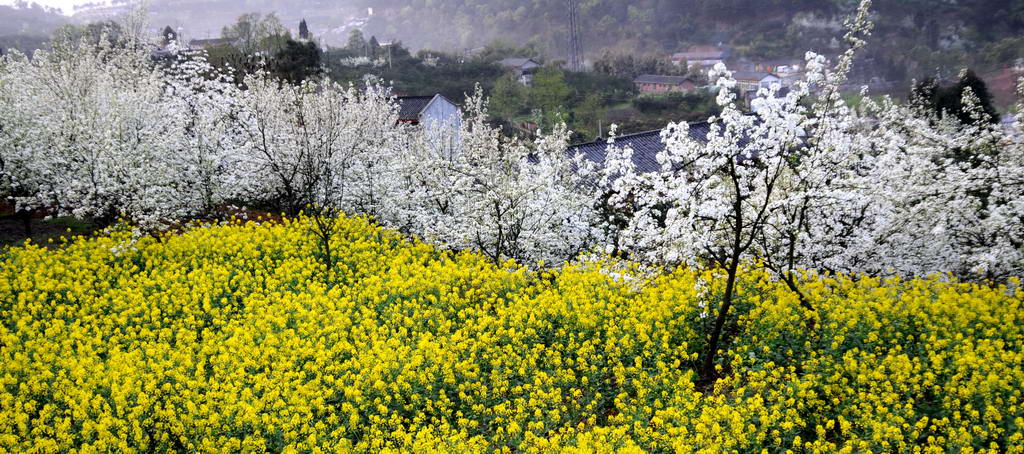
(229, 338)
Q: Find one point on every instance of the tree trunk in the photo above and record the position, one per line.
(708, 368)
(708, 375)
(324, 226)
(329, 259)
(26, 221)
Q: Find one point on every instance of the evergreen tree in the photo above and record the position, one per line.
(929, 96)
(374, 47)
(971, 80)
(303, 30)
(297, 61)
(169, 35)
(356, 42)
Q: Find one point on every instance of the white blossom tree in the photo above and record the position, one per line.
(749, 190)
(319, 147)
(15, 140)
(315, 144)
(508, 198)
(825, 188)
(95, 137)
(206, 100)
(102, 130)
(945, 197)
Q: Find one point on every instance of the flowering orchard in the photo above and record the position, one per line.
(222, 339)
(807, 182)
(722, 318)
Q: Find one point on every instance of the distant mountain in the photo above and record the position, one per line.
(912, 38)
(29, 20)
(27, 27)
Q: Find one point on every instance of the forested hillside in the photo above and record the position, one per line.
(915, 35)
(913, 38)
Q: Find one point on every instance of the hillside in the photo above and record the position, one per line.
(912, 37)
(31, 20)
(26, 28)
(198, 19)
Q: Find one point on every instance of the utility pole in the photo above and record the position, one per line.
(575, 52)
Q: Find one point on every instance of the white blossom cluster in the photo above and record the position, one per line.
(104, 131)
(355, 62)
(504, 197)
(98, 131)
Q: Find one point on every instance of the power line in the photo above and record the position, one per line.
(575, 51)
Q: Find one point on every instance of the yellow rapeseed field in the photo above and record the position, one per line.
(226, 339)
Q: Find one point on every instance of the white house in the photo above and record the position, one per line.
(436, 114)
(432, 111)
(522, 68)
(749, 81)
(700, 57)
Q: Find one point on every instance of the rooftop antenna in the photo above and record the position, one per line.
(575, 52)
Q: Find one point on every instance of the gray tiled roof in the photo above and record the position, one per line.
(702, 55)
(751, 75)
(410, 107)
(646, 146)
(664, 80)
(517, 62)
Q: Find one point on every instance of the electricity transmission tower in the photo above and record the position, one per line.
(575, 52)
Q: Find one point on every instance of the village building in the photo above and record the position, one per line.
(209, 43)
(522, 69)
(430, 109)
(649, 83)
(438, 115)
(790, 79)
(701, 57)
(780, 67)
(751, 81)
(645, 145)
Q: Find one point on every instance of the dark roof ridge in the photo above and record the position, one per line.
(635, 134)
(439, 95)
